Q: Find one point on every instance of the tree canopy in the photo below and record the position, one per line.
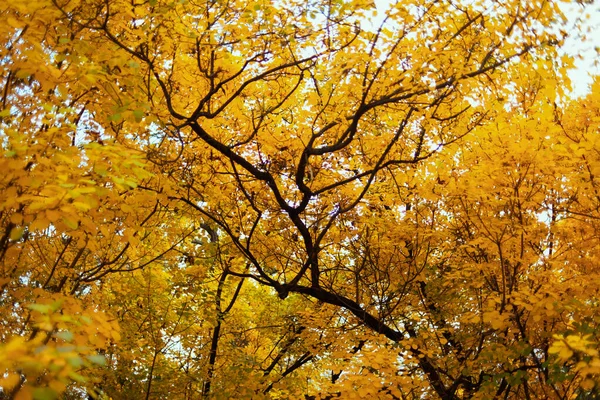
(296, 200)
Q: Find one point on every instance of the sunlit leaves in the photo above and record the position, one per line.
(280, 200)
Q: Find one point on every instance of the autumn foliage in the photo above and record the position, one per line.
(295, 200)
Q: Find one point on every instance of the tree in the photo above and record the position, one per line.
(225, 200)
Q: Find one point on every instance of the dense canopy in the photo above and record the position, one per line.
(296, 200)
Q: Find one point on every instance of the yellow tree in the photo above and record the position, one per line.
(68, 214)
(185, 166)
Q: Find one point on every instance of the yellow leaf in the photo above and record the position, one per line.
(15, 23)
(587, 384)
(57, 386)
(16, 218)
(81, 206)
(116, 336)
(39, 224)
(24, 394)
(52, 215)
(561, 349)
(10, 381)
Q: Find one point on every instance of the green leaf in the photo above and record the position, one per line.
(138, 115)
(75, 362)
(77, 378)
(16, 233)
(115, 117)
(57, 305)
(66, 349)
(41, 308)
(70, 223)
(65, 335)
(97, 359)
(44, 394)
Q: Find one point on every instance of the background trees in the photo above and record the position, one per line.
(222, 200)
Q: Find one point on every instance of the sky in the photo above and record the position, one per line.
(584, 50)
